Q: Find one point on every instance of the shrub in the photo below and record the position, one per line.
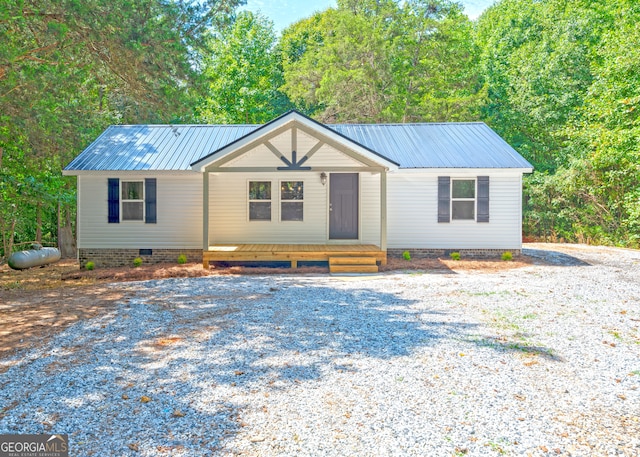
(406, 255)
(137, 262)
(182, 259)
(506, 256)
(90, 266)
(455, 256)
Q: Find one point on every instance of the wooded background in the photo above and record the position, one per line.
(558, 79)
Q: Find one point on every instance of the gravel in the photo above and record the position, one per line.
(540, 360)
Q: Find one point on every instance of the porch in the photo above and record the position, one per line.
(342, 257)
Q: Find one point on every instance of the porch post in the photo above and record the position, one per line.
(383, 211)
(205, 218)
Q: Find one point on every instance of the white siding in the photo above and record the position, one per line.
(370, 208)
(229, 210)
(261, 156)
(328, 156)
(413, 213)
(179, 214)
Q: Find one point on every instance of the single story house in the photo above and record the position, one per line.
(297, 190)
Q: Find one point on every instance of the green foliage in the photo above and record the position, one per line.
(90, 265)
(137, 262)
(182, 259)
(244, 72)
(384, 61)
(455, 256)
(507, 256)
(406, 255)
(68, 69)
(563, 81)
(558, 79)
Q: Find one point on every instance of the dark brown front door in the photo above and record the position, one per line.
(343, 206)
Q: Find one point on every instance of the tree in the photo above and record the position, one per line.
(381, 61)
(562, 79)
(244, 72)
(68, 69)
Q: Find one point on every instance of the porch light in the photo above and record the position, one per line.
(323, 178)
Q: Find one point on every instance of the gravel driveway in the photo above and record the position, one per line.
(541, 360)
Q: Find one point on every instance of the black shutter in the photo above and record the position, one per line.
(113, 197)
(444, 197)
(483, 199)
(150, 200)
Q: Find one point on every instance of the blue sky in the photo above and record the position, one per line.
(286, 12)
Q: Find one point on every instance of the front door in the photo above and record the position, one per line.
(343, 206)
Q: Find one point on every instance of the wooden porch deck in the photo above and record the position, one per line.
(293, 253)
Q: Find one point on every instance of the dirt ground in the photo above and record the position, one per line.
(40, 302)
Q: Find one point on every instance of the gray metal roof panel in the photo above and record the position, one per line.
(437, 145)
(176, 147)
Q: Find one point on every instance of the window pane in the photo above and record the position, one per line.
(132, 211)
(260, 211)
(463, 210)
(463, 188)
(292, 190)
(292, 211)
(260, 190)
(131, 190)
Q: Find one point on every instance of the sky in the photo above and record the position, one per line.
(285, 12)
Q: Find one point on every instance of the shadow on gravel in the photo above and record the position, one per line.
(555, 258)
(523, 348)
(169, 369)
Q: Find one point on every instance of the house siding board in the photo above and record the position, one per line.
(370, 208)
(413, 205)
(228, 216)
(328, 156)
(179, 215)
(261, 156)
(229, 221)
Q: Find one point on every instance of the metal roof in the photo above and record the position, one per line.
(176, 147)
(436, 145)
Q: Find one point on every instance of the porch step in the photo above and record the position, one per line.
(352, 260)
(352, 265)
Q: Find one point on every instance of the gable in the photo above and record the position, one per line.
(293, 122)
(310, 150)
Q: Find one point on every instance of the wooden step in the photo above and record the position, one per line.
(353, 268)
(352, 260)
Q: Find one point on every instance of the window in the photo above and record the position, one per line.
(291, 200)
(132, 200)
(463, 199)
(259, 200)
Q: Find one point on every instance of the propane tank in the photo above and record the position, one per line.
(33, 258)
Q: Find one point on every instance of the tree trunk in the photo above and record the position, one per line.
(39, 223)
(66, 242)
(59, 229)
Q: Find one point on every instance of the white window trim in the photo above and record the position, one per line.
(249, 201)
(280, 200)
(474, 200)
(123, 201)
